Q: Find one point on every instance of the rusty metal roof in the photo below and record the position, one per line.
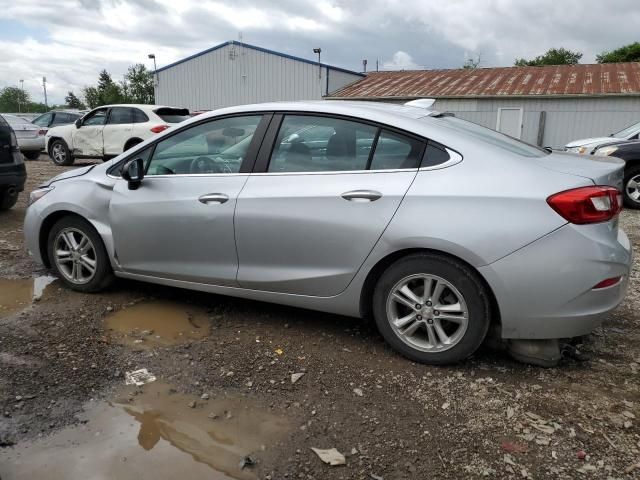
(558, 80)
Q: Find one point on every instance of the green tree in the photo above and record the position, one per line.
(628, 53)
(553, 56)
(91, 97)
(472, 63)
(139, 82)
(108, 91)
(13, 99)
(74, 102)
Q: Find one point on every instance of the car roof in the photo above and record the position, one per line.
(353, 108)
(144, 106)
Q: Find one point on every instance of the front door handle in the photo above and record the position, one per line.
(218, 198)
(361, 195)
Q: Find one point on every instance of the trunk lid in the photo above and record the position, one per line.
(600, 170)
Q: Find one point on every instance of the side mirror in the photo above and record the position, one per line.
(78, 123)
(133, 173)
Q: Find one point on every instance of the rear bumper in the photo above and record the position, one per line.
(545, 290)
(31, 144)
(13, 174)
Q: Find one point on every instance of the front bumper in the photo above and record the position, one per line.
(545, 290)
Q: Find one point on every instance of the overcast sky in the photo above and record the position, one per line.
(70, 41)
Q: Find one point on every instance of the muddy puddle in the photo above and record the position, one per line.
(155, 434)
(18, 294)
(157, 322)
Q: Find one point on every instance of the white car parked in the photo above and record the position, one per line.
(589, 145)
(109, 130)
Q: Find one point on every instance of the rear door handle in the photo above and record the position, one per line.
(218, 198)
(361, 195)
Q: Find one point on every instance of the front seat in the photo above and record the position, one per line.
(298, 157)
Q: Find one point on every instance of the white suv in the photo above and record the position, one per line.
(109, 130)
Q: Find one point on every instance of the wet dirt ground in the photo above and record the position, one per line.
(224, 389)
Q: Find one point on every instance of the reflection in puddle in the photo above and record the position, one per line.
(156, 435)
(158, 323)
(16, 295)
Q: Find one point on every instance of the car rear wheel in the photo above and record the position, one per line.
(78, 255)
(59, 153)
(31, 155)
(431, 309)
(632, 187)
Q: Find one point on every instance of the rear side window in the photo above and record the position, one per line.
(394, 151)
(434, 155)
(173, 115)
(139, 116)
(307, 143)
(43, 120)
(120, 115)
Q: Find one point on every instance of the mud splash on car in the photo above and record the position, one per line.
(154, 432)
(18, 294)
(157, 322)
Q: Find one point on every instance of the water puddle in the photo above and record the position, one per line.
(16, 295)
(157, 322)
(155, 434)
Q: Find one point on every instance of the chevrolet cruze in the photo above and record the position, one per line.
(440, 229)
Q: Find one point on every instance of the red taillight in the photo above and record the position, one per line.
(42, 133)
(609, 282)
(159, 128)
(587, 204)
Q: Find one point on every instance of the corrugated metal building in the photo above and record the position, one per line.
(235, 73)
(548, 106)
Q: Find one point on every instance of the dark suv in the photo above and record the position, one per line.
(13, 173)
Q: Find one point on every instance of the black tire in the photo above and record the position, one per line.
(103, 275)
(632, 173)
(131, 143)
(31, 155)
(462, 278)
(62, 159)
(8, 199)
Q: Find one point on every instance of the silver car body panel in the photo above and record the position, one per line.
(300, 243)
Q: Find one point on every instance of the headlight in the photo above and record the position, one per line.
(606, 150)
(38, 194)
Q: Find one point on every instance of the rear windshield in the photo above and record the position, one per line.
(173, 115)
(496, 139)
(13, 120)
(628, 131)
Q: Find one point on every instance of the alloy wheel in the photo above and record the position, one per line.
(75, 255)
(58, 153)
(427, 313)
(633, 188)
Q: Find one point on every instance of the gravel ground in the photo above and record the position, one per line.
(394, 419)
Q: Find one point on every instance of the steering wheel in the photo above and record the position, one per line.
(204, 165)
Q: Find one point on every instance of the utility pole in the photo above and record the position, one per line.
(318, 51)
(155, 68)
(20, 101)
(44, 86)
(364, 66)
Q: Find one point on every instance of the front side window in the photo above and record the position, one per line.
(120, 115)
(394, 151)
(321, 144)
(218, 146)
(97, 117)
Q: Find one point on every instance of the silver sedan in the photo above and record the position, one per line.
(439, 229)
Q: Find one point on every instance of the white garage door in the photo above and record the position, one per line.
(510, 121)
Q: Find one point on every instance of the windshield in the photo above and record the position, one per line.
(630, 131)
(173, 115)
(496, 139)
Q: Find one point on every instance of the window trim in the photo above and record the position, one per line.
(247, 163)
(269, 143)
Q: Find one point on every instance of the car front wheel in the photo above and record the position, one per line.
(59, 153)
(78, 255)
(431, 309)
(632, 187)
